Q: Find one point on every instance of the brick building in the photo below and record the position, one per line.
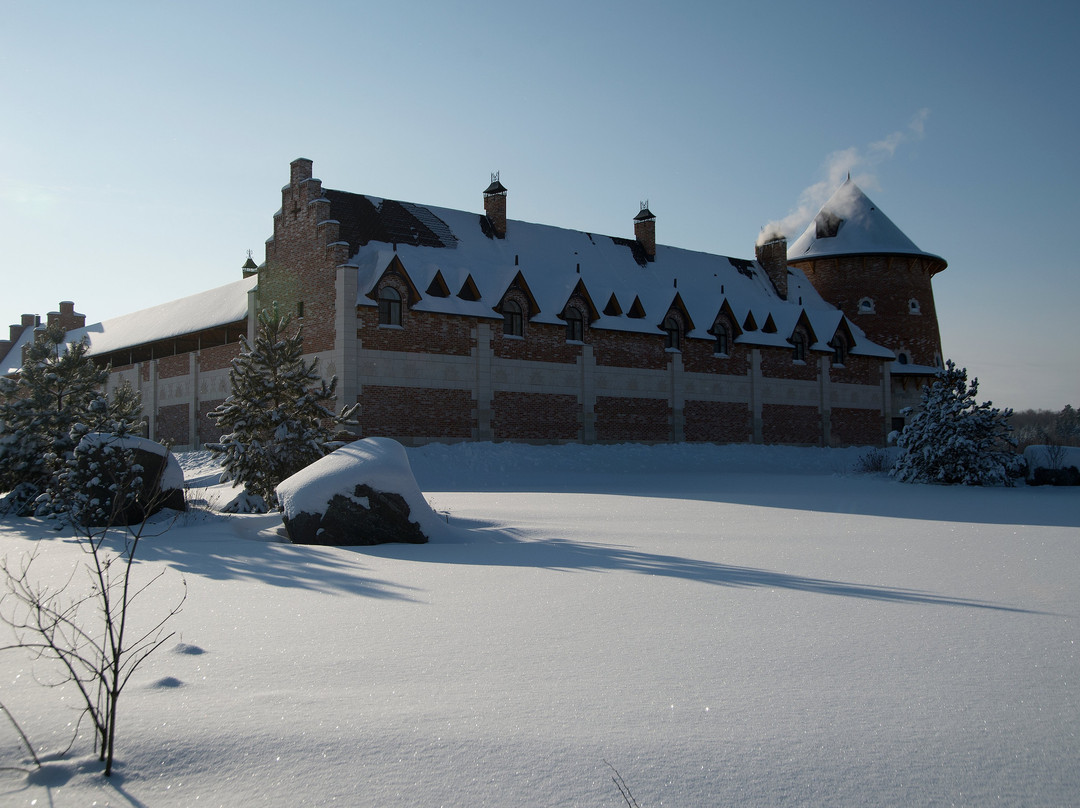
(450, 325)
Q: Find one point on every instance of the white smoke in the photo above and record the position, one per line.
(851, 162)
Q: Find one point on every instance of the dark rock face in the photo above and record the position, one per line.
(348, 522)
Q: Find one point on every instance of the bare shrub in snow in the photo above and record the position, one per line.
(277, 419)
(875, 461)
(954, 440)
(91, 629)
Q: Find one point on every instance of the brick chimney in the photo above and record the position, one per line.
(772, 255)
(645, 230)
(495, 206)
(67, 318)
(300, 170)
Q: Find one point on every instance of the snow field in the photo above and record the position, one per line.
(790, 635)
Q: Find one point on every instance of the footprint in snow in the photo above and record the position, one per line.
(167, 683)
(184, 648)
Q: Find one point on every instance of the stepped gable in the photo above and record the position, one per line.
(851, 224)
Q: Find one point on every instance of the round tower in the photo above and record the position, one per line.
(862, 263)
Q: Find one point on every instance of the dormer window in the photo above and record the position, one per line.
(902, 358)
(513, 322)
(839, 347)
(798, 347)
(866, 306)
(913, 307)
(575, 325)
(723, 337)
(389, 306)
(673, 332)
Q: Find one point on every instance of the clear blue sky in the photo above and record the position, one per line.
(144, 145)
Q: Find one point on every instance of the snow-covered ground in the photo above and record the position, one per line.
(751, 626)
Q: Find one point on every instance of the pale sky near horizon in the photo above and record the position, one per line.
(144, 146)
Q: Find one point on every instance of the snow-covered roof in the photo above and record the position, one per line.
(851, 224)
(214, 307)
(458, 245)
(12, 362)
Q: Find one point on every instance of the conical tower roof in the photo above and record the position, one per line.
(851, 224)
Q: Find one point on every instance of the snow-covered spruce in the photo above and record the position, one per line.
(276, 420)
(58, 388)
(954, 440)
(363, 493)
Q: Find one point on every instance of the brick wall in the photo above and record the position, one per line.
(218, 357)
(852, 427)
(632, 419)
(301, 258)
(172, 424)
(777, 363)
(699, 356)
(543, 342)
(169, 367)
(420, 332)
(717, 422)
(411, 412)
(791, 424)
(535, 416)
(856, 370)
(622, 349)
(891, 282)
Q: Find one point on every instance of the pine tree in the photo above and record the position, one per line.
(276, 418)
(953, 440)
(58, 388)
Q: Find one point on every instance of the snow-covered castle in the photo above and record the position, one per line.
(448, 325)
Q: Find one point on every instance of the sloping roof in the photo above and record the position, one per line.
(554, 260)
(214, 307)
(12, 362)
(851, 224)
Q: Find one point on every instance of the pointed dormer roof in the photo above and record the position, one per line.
(851, 224)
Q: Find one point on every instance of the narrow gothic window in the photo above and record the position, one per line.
(839, 352)
(798, 347)
(389, 306)
(722, 339)
(671, 328)
(913, 307)
(512, 319)
(575, 327)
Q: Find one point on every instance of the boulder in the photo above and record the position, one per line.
(162, 478)
(361, 494)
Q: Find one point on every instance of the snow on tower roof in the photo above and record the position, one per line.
(851, 224)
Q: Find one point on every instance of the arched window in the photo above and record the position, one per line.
(839, 347)
(902, 358)
(575, 325)
(798, 346)
(389, 306)
(722, 338)
(513, 323)
(866, 306)
(913, 307)
(673, 340)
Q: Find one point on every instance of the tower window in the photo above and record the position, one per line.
(866, 306)
(913, 307)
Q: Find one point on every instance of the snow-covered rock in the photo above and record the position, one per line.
(363, 493)
(162, 478)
